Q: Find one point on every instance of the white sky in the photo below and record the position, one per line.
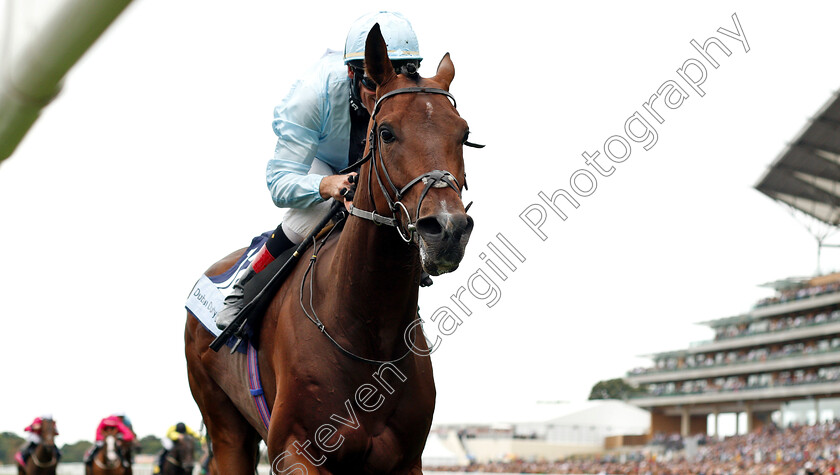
(150, 166)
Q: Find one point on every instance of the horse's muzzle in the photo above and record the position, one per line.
(443, 238)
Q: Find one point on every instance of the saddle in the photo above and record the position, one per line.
(260, 290)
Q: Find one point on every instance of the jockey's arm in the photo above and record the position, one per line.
(99, 430)
(128, 434)
(194, 434)
(300, 123)
(335, 186)
(297, 124)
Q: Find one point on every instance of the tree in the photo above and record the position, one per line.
(9, 445)
(74, 452)
(614, 389)
(150, 445)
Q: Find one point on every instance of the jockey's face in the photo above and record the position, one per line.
(367, 88)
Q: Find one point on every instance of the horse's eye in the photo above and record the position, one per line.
(386, 135)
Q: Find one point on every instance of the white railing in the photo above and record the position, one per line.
(145, 469)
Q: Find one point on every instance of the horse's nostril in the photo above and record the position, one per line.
(445, 227)
(429, 227)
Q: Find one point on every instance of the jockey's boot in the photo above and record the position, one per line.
(276, 245)
(26, 451)
(91, 453)
(161, 458)
(235, 300)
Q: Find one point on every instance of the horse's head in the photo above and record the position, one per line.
(111, 445)
(416, 147)
(183, 454)
(48, 432)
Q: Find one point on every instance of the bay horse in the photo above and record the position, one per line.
(44, 459)
(113, 459)
(344, 366)
(180, 459)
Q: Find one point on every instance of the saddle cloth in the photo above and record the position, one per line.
(208, 294)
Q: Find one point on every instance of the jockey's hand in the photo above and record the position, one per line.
(338, 187)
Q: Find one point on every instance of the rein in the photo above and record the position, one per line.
(432, 179)
(176, 450)
(313, 317)
(175, 463)
(106, 465)
(53, 461)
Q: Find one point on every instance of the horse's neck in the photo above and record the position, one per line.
(45, 448)
(376, 276)
(181, 450)
(47, 437)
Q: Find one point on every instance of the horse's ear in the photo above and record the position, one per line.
(377, 64)
(445, 72)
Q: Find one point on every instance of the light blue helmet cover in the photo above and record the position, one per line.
(396, 29)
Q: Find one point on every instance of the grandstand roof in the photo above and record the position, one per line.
(806, 174)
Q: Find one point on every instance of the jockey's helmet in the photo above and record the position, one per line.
(396, 30)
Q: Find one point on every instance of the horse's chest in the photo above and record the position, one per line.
(391, 450)
(378, 428)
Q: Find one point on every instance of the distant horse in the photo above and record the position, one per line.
(113, 459)
(44, 459)
(180, 459)
(344, 364)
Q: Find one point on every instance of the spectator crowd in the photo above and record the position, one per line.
(796, 450)
(799, 294)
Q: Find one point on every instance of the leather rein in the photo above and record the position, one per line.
(432, 179)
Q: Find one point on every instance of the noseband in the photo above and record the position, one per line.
(432, 179)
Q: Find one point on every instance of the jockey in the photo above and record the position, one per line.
(109, 424)
(33, 437)
(174, 434)
(321, 127)
(114, 422)
(125, 420)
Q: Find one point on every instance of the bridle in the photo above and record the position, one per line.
(432, 179)
(175, 462)
(53, 461)
(312, 315)
(123, 454)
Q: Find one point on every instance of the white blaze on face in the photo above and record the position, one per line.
(111, 452)
(429, 110)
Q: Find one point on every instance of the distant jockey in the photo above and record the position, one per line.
(174, 434)
(109, 425)
(33, 438)
(114, 422)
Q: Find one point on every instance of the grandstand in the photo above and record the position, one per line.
(787, 348)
